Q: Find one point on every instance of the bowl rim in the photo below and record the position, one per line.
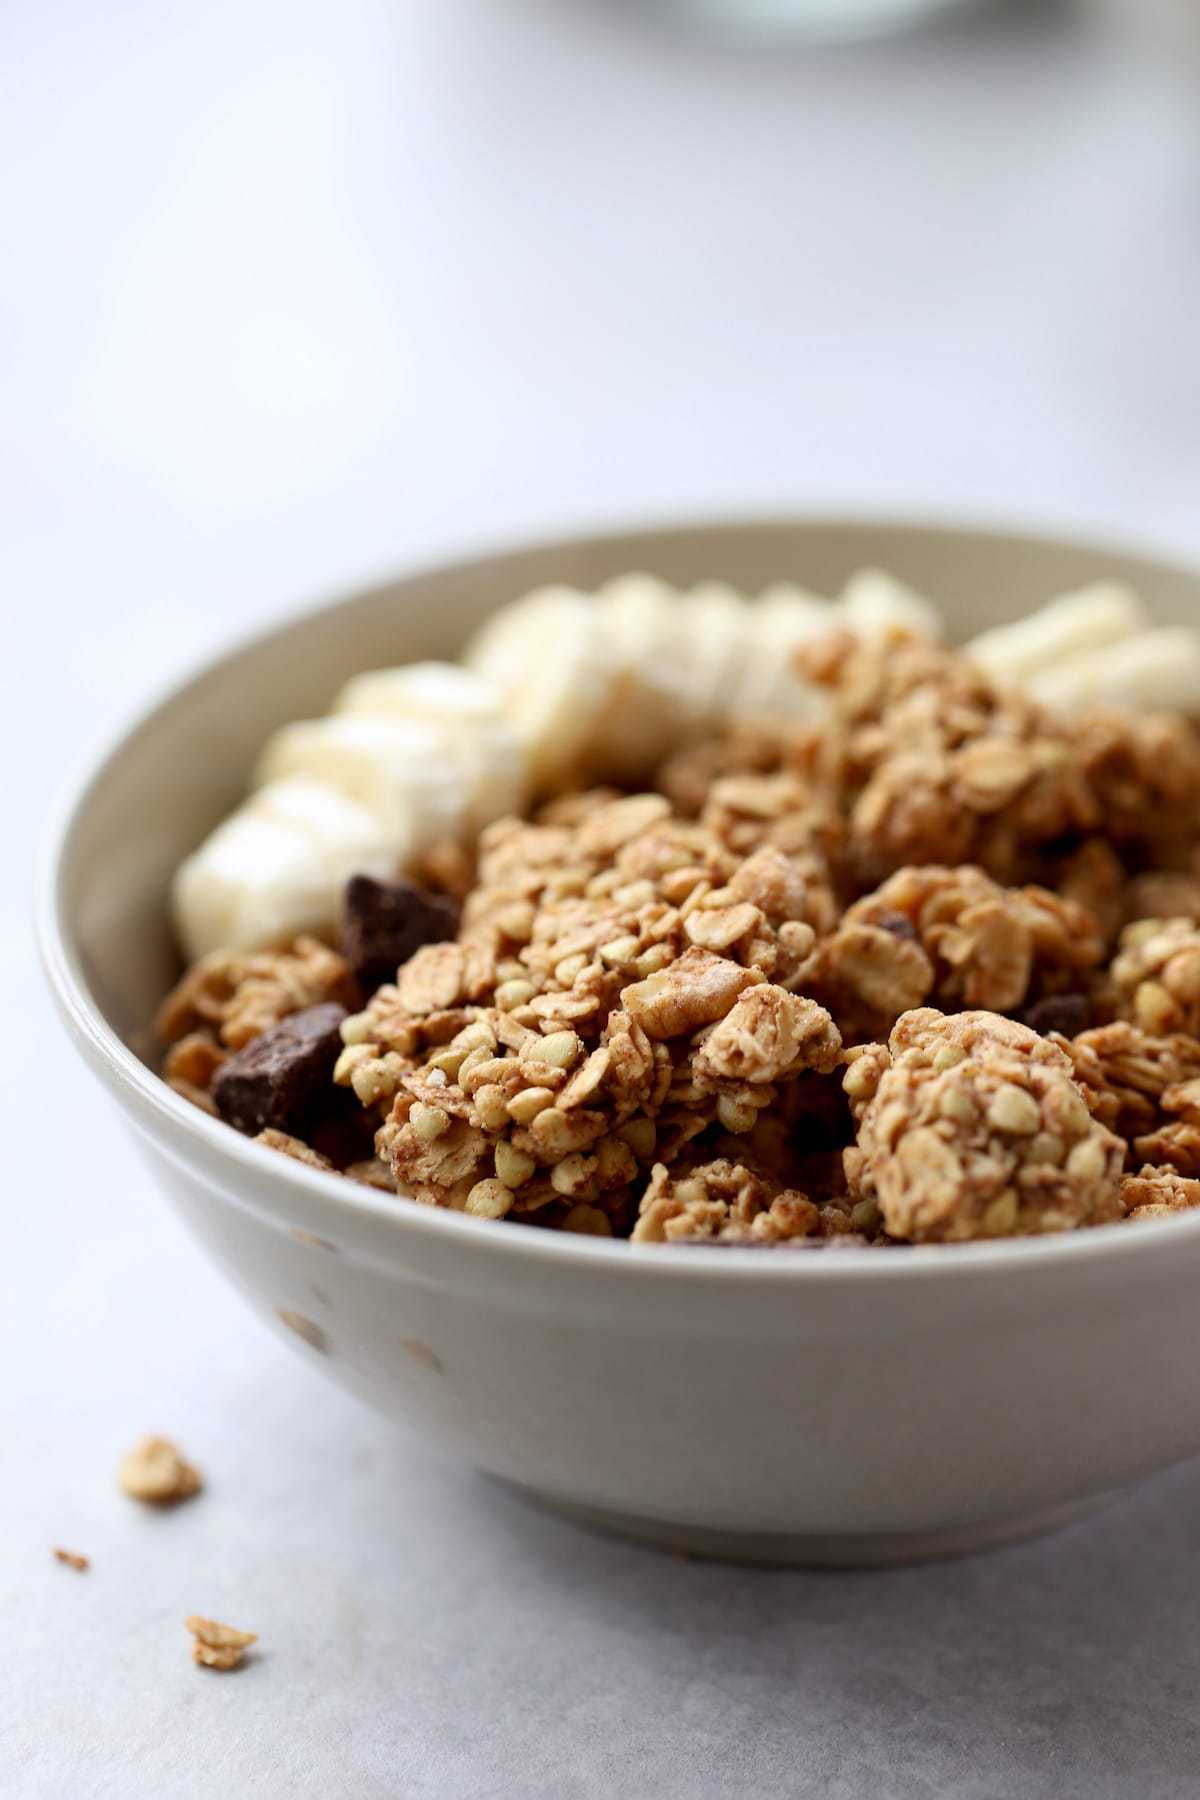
(132, 1080)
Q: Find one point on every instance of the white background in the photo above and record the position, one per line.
(291, 295)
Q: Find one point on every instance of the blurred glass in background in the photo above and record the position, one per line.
(1160, 25)
(827, 20)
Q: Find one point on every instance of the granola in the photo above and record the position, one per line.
(919, 963)
(157, 1473)
(973, 1126)
(218, 1646)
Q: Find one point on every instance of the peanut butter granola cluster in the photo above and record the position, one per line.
(925, 971)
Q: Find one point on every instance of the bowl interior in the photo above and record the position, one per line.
(185, 764)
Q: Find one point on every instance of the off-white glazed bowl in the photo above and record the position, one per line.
(855, 1406)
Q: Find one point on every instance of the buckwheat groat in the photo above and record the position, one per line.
(973, 1126)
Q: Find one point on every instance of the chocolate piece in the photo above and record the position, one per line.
(385, 922)
(1067, 1013)
(267, 1085)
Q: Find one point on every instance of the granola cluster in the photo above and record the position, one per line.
(926, 972)
(620, 984)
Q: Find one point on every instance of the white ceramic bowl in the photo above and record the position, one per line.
(856, 1406)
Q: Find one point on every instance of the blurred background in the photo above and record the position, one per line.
(293, 295)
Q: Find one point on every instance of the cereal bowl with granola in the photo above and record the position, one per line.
(718, 1053)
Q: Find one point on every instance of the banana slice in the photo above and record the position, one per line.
(714, 647)
(648, 707)
(402, 771)
(1156, 671)
(556, 667)
(275, 868)
(1104, 613)
(873, 603)
(777, 624)
(469, 712)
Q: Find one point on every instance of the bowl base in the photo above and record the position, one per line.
(800, 1550)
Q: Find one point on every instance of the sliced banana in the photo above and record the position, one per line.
(557, 668)
(1156, 671)
(401, 771)
(1106, 612)
(714, 646)
(648, 707)
(262, 877)
(873, 602)
(782, 619)
(469, 712)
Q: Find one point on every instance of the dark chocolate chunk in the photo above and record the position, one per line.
(384, 922)
(269, 1082)
(1068, 1013)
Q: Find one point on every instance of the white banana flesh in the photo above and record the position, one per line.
(557, 669)
(469, 713)
(648, 710)
(779, 622)
(713, 651)
(275, 868)
(399, 770)
(874, 603)
(1098, 616)
(1156, 671)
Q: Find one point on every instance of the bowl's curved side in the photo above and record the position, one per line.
(811, 1421)
(779, 1396)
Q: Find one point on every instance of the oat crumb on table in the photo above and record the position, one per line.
(922, 967)
(218, 1646)
(157, 1473)
(73, 1559)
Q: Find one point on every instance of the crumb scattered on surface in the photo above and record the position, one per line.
(218, 1646)
(156, 1472)
(73, 1559)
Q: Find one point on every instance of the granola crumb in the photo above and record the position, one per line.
(74, 1559)
(157, 1473)
(218, 1646)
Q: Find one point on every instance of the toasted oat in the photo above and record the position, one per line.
(1156, 976)
(1127, 1073)
(234, 997)
(218, 1646)
(155, 1471)
(991, 948)
(767, 1035)
(1155, 1192)
(294, 1147)
(73, 1560)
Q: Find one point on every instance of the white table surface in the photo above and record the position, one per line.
(291, 295)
